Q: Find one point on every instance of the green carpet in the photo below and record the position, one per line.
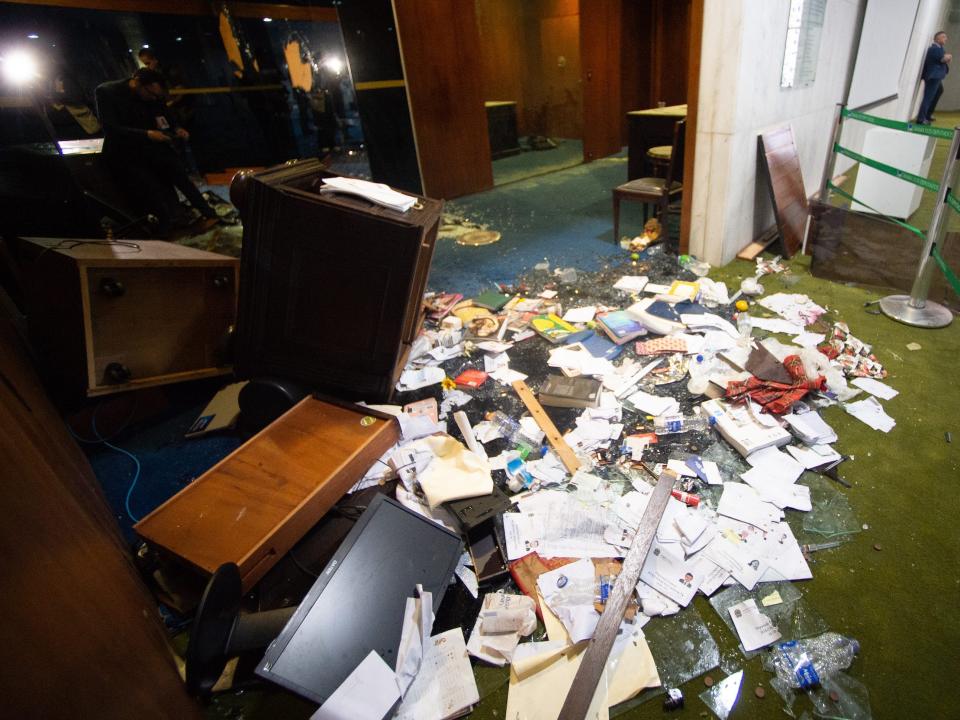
(894, 586)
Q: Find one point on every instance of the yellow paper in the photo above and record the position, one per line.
(540, 696)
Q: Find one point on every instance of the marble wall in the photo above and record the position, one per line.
(741, 97)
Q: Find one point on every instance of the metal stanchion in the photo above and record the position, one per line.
(831, 155)
(914, 309)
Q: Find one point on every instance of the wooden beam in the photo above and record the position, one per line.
(693, 98)
(195, 7)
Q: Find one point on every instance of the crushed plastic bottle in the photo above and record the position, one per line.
(672, 424)
(513, 432)
(691, 263)
(804, 664)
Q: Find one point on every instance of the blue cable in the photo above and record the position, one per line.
(104, 441)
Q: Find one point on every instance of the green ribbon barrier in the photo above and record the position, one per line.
(947, 272)
(851, 198)
(953, 202)
(925, 183)
(928, 130)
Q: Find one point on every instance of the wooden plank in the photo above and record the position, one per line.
(785, 185)
(759, 245)
(594, 661)
(255, 504)
(559, 445)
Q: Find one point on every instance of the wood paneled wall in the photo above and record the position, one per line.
(82, 633)
(502, 58)
(440, 44)
(600, 38)
(530, 53)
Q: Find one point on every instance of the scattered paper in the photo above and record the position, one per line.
(631, 283)
(753, 627)
(580, 314)
(503, 618)
(914, 346)
(798, 309)
(569, 591)
(871, 412)
(875, 387)
(368, 693)
(417, 625)
(809, 339)
(777, 325)
(445, 686)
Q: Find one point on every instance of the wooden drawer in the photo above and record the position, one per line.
(110, 317)
(255, 504)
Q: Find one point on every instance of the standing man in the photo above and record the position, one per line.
(936, 65)
(138, 146)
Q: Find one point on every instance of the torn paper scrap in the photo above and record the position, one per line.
(871, 412)
(503, 619)
(417, 626)
(569, 592)
(754, 628)
(368, 693)
(875, 387)
(445, 686)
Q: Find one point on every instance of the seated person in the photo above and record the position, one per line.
(138, 146)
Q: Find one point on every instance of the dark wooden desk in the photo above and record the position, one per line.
(648, 128)
(502, 128)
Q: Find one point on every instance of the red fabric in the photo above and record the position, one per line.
(776, 397)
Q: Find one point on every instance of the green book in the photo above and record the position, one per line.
(491, 300)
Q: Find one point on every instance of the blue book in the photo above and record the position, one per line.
(620, 327)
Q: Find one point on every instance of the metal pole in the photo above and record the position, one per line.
(831, 155)
(914, 309)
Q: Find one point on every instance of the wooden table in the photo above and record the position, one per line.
(648, 128)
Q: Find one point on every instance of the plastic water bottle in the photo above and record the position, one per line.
(806, 663)
(513, 432)
(744, 325)
(699, 376)
(672, 424)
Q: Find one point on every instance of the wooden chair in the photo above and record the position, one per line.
(654, 191)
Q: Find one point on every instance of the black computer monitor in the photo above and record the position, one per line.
(357, 603)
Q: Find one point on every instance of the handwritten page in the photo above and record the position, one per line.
(445, 686)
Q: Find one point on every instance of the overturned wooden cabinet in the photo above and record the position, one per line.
(331, 285)
(110, 316)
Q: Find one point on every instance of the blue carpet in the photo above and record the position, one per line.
(565, 217)
(168, 462)
(567, 153)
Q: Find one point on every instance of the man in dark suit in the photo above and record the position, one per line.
(138, 146)
(936, 65)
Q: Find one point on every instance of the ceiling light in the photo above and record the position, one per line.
(19, 67)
